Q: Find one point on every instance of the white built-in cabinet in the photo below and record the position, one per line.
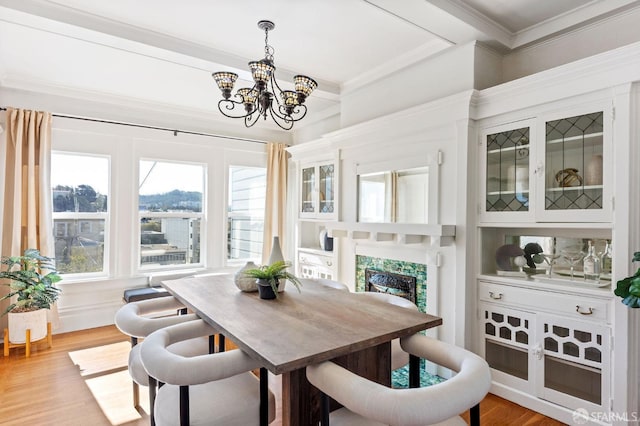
(554, 346)
(546, 172)
(554, 167)
(318, 190)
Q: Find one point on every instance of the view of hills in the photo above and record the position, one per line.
(173, 200)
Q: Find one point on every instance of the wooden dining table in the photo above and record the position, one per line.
(297, 329)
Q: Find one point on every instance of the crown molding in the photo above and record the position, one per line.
(592, 74)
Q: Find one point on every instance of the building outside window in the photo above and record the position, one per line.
(80, 194)
(170, 203)
(245, 220)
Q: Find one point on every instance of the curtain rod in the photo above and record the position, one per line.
(144, 126)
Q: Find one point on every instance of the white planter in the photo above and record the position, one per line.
(19, 322)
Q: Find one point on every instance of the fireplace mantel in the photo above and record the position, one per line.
(400, 233)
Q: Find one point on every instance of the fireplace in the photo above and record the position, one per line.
(400, 277)
(391, 283)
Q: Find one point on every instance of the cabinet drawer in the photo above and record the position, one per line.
(315, 259)
(585, 308)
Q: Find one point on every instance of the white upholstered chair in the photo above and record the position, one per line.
(331, 283)
(213, 389)
(138, 320)
(372, 404)
(399, 358)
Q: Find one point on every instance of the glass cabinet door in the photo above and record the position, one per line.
(326, 194)
(574, 163)
(307, 186)
(507, 171)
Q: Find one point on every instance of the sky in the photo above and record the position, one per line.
(74, 170)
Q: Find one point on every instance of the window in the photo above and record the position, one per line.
(170, 202)
(80, 188)
(247, 190)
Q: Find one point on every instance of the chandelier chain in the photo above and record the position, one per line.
(268, 50)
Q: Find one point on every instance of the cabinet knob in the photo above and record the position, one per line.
(537, 351)
(539, 168)
(495, 296)
(589, 312)
(329, 263)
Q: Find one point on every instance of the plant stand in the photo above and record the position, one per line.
(27, 342)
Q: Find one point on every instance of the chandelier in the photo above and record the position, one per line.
(265, 97)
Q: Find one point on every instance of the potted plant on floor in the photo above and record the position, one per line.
(31, 278)
(268, 277)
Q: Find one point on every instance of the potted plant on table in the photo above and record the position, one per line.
(629, 288)
(31, 278)
(268, 277)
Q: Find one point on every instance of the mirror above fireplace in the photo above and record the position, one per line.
(394, 196)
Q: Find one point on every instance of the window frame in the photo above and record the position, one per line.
(80, 216)
(239, 262)
(202, 216)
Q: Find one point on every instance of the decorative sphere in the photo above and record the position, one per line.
(520, 261)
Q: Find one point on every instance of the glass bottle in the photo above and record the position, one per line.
(606, 259)
(591, 265)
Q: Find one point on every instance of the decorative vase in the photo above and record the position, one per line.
(593, 172)
(244, 282)
(20, 322)
(265, 290)
(275, 256)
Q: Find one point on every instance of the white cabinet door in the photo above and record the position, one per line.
(318, 184)
(573, 166)
(573, 363)
(506, 182)
(508, 335)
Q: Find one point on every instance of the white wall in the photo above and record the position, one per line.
(590, 40)
(449, 72)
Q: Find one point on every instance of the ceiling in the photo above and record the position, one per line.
(163, 51)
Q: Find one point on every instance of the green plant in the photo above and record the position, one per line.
(629, 288)
(33, 288)
(273, 274)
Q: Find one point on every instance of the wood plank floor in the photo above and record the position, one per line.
(83, 380)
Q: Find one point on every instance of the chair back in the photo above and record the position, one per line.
(410, 407)
(176, 369)
(136, 319)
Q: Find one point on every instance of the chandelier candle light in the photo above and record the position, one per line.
(258, 101)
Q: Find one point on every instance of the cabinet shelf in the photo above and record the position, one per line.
(507, 192)
(576, 188)
(507, 149)
(589, 138)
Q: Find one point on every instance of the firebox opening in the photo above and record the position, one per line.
(391, 283)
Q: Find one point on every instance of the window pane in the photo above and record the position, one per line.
(79, 245)
(169, 241)
(167, 238)
(80, 185)
(173, 187)
(247, 190)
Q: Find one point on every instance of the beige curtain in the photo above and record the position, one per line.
(27, 221)
(276, 199)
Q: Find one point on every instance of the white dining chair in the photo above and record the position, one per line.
(138, 320)
(399, 358)
(367, 403)
(212, 389)
(330, 283)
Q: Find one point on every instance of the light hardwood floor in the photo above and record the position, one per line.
(83, 380)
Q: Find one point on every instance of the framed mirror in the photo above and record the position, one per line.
(402, 195)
